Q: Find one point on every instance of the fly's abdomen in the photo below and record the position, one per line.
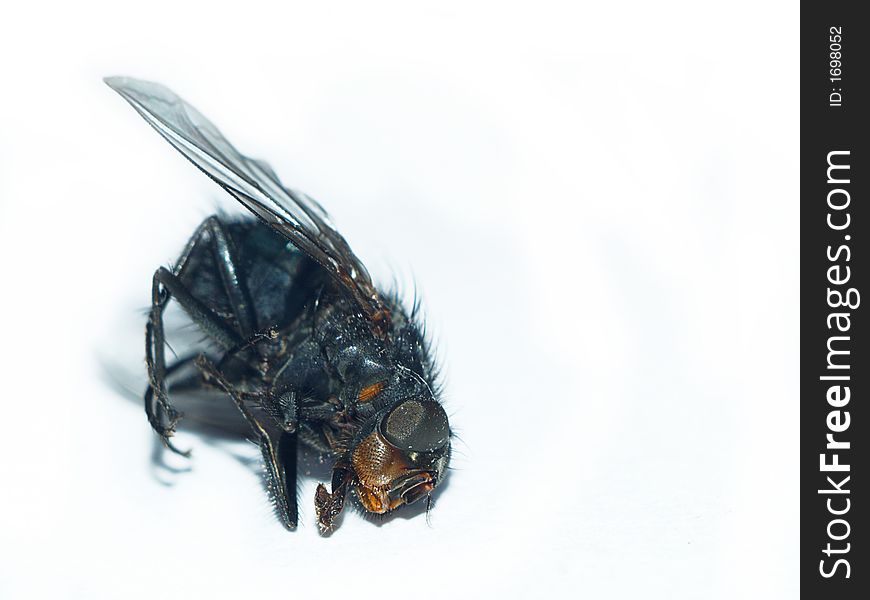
(279, 278)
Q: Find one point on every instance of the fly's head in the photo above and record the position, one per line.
(400, 461)
(404, 457)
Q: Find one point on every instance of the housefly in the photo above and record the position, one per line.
(297, 336)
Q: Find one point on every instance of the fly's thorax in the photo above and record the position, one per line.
(373, 387)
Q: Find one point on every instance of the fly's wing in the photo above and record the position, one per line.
(253, 183)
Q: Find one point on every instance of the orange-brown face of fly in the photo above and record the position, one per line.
(404, 457)
(379, 466)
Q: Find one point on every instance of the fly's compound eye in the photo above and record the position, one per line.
(416, 426)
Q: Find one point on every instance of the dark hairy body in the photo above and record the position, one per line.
(297, 336)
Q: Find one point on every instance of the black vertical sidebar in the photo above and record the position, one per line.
(835, 374)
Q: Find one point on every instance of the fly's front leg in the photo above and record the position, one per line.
(278, 447)
(287, 408)
(329, 505)
(284, 409)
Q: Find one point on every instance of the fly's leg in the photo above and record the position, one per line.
(226, 261)
(161, 414)
(169, 284)
(269, 334)
(171, 412)
(278, 447)
(288, 408)
(329, 505)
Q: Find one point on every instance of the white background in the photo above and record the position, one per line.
(599, 204)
